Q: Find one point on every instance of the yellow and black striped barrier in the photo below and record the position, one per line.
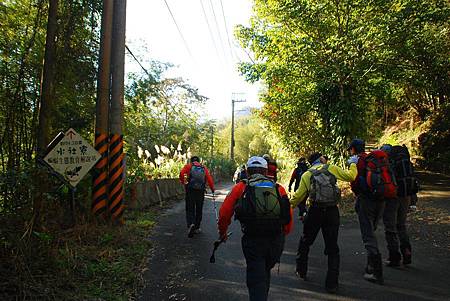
(116, 179)
(100, 187)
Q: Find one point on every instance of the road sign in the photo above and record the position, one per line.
(72, 157)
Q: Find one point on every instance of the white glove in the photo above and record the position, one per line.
(353, 159)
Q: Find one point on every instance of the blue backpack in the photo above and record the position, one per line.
(197, 177)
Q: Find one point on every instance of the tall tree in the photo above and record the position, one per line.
(329, 64)
(46, 107)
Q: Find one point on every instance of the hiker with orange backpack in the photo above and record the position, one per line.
(262, 207)
(272, 167)
(373, 185)
(194, 176)
(395, 212)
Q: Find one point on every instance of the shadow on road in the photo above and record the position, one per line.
(179, 267)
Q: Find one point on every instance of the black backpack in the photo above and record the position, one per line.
(197, 177)
(402, 167)
(261, 210)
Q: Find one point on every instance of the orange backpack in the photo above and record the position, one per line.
(379, 177)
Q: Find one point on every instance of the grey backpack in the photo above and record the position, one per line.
(324, 190)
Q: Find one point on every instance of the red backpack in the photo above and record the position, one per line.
(379, 176)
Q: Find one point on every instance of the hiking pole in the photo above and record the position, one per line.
(216, 244)
(215, 208)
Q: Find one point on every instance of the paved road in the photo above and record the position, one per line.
(179, 267)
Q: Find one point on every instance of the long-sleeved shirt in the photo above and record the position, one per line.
(186, 170)
(301, 194)
(361, 166)
(226, 211)
(272, 169)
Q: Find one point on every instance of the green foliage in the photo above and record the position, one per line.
(160, 113)
(250, 139)
(434, 145)
(334, 70)
(86, 263)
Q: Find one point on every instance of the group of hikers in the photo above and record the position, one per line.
(383, 182)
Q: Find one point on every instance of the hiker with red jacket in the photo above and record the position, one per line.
(194, 177)
(262, 207)
(272, 167)
(373, 185)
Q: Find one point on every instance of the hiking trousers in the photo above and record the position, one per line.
(369, 213)
(194, 206)
(394, 219)
(325, 219)
(261, 254)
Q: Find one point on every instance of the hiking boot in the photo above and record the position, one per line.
(374, 269)
(406, 253)
(331, 282)
(302, 266)
(191, 231)
(394, 259)
(412, 208)
(301, 275)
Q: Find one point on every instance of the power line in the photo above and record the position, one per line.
(218, 29)
(226, 30)
(209, 29)
(161, 92)
(179, 31)
(137, 61)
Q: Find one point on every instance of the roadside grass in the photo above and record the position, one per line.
(347, 203)
(87, 262)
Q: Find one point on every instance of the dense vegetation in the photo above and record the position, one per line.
(336, 69)
(161, 127)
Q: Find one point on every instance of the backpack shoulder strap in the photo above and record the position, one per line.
(277, 191)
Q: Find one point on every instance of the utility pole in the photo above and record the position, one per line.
(100, 181)
(235, 97)
(116, 155)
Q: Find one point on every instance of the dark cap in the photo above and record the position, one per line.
(386, 148)
(358, 144)
(195, 159)
(313, 157)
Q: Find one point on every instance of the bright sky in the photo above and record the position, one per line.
(211, 64)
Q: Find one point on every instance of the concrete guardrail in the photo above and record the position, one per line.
(154, 192)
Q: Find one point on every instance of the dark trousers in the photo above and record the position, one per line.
(328, 220)
(194, 206)
(394, 219)
(369, 213)
(261, 254)
(414, 199)
(301, 209)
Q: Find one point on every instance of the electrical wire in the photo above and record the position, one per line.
(218, 29)
(179, 31)
(161, 92)
(209, 29)
(226, 30)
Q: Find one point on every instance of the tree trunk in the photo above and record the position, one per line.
(46, 104)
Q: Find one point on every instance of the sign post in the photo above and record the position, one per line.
(72, 157)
